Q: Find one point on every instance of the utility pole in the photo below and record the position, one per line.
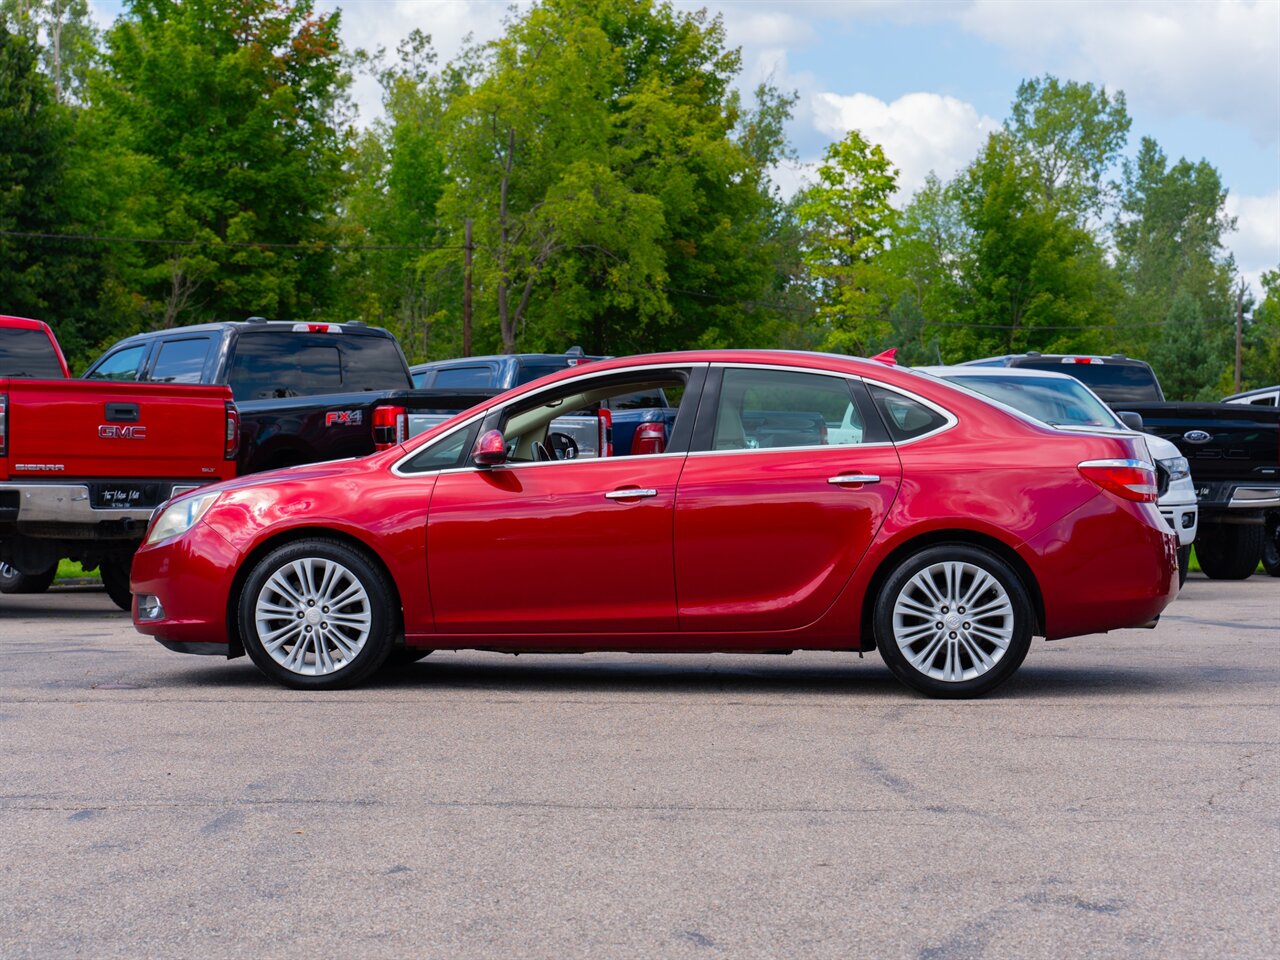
(1239, 330)
(466, 292)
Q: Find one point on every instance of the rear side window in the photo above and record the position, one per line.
(121, 365)
(270, 365)
(28, 353)
(905, 418)
(475, 375)
(181, 361)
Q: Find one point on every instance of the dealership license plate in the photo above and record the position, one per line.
(116, 496)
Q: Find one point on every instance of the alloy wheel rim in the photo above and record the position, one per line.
(953, 621)
(313, 616)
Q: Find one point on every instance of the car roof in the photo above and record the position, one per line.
(253, 326)
(1259, 392)
(489, 358)
(22, 323)
(1008, 358)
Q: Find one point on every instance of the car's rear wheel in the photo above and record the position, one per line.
(1271, 547)
(1229, 551)
(115, 577)
(12, 581)
(1184, 563)
(953, 620)
(317, 614)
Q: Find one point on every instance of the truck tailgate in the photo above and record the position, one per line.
(92, 428)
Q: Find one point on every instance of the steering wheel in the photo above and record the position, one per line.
(563, 446)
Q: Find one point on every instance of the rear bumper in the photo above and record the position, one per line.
(70, 503)
(191, 576)
(1108, 565)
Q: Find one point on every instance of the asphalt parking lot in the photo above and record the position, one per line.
(1117, 798)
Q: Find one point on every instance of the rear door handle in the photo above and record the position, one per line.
(631, 493)
(854, 478)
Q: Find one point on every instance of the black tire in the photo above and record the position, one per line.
(377, 606)
(1271, 547)
(1229, 551)
(115, 577)
(11, 581)
(1018, 620)
(1184, 564)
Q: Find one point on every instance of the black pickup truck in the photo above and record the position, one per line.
(306, 392)
(1233, 450)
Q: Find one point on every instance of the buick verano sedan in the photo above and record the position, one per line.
(798, 501)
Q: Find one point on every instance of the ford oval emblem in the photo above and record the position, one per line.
(1196, 436)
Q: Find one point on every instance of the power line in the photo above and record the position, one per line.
(319, 245)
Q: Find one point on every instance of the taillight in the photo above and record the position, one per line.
(649, 438)
(4, 424)
(232, 444)
(605, 421)
(390, 427)
(1128, 479)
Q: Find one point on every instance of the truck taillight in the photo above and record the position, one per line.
(390, 427)
(1128, 479)
(232, 445)
(649, 438)
(4, 424)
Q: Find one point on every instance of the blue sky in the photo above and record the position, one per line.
(928, 80)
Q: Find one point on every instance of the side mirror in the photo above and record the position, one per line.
(1130, 419)
(490, 449)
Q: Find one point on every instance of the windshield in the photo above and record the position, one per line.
(1114, 382)
(1061, 402)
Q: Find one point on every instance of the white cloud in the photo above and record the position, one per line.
(920, 132)
(1256, 242)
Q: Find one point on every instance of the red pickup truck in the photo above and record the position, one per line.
(83, 464)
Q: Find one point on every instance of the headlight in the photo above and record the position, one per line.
(1177, 467)
(180, 516)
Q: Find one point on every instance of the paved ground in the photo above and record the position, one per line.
(1118, 798)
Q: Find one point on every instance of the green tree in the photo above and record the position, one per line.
(593, 147)
(848, 222)
(1068, 134)
(68, 40)
(1261, 356)
(1191, 352)
(236, 104)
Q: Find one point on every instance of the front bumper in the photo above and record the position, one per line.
(1183, 519)
(192, 576)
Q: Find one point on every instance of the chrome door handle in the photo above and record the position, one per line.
(633, 494)
(854, 478)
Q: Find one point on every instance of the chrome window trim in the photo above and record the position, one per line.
(950, 417)
(591, 375)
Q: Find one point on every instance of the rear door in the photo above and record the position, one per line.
(766, 537)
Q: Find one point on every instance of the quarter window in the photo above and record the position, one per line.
(906, 418)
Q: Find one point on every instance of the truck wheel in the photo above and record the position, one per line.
(953, 621)
(115, 577)
(1271, 547)
(317, 614)
(11, 581)
(1184, 564)
(1229, 551)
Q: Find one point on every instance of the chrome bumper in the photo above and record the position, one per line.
(69, 503)
(1257, 498)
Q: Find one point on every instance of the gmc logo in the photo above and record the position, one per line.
(344, 418)
(113, 431)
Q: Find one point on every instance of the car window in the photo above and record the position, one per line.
(1114, 382)
(905, 418)
(475, 375)
(762, 409)
(1061, 402)
(270, 365)
(28, 353)
(422, 378)
(121, 365)
(564, 423)
(372, 363)
(1263, 402)
(533, 369)
(181, 361)
(447, 453)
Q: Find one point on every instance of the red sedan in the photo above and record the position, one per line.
(799, 501)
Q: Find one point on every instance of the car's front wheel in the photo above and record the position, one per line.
(317, 614)
(953, 621)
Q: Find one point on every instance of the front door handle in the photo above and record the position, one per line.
(854, 478)
(630, 493)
